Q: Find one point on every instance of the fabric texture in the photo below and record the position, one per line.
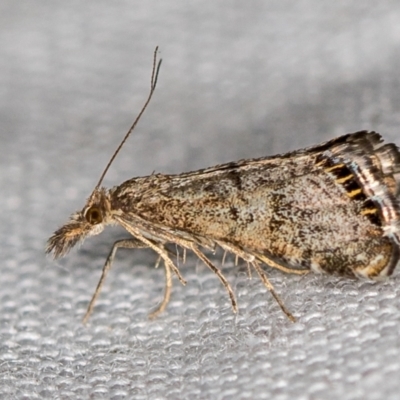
(238, 80)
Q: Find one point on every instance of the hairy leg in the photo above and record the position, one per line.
(270, 287)
(210, 265)
(124, 243)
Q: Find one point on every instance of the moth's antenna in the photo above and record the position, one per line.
(153, 83)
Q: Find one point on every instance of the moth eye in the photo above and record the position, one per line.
(94, 215)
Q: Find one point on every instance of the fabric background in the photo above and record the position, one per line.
(238, 80)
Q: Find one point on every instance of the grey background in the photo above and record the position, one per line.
(238, 80)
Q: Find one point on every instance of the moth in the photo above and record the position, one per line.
(332, 208)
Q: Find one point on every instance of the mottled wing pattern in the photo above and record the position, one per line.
(330, 208)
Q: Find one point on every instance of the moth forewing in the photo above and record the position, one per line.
(331, 208)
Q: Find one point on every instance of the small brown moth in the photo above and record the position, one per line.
(330, 208)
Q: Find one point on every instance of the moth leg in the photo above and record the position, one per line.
(249, 270)
(224, 256)
(274, 264)
(218, 273)
(270, 287)
(158, 249)
(158, 262)
(124, 243)
(184, 256)
(167, 293)
(159, 258)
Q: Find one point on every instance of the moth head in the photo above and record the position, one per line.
(87, 222)
(97, 211)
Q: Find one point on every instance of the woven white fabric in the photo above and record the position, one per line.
(238, 80)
